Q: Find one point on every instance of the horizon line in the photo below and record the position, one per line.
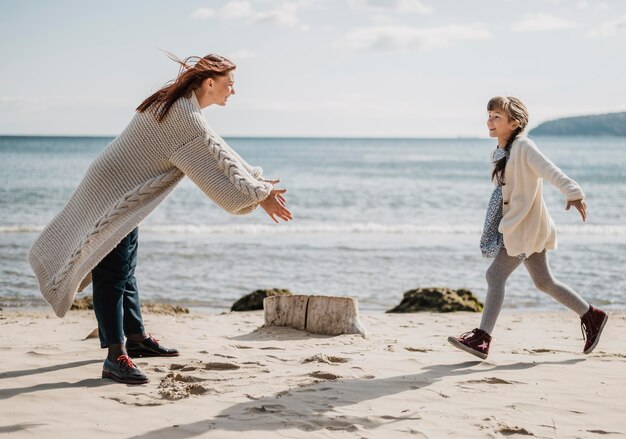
(102, 136)
(109, 136)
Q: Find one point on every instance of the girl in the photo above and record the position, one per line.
(518, 228)
(95, 235)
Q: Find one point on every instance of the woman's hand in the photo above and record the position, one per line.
(274, 205)
(273, 183)
(580, 206)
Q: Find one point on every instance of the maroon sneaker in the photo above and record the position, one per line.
(592, 323)
(475, 342)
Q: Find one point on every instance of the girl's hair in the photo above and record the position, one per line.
(515, 110)
(193, 71)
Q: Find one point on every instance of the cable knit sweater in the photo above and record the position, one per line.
(526, 224)
(126, 182)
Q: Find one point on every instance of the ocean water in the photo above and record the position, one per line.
(372, 219)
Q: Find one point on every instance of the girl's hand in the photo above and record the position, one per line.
(274, 205)
(580, 206)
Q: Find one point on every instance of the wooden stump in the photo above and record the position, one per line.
(286, 311)
(316, 314)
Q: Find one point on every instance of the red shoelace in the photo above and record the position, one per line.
(125, 361)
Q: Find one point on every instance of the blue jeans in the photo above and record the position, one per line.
(115, 295)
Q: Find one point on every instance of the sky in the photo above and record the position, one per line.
(322, 68)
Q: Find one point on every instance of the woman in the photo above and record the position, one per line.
(96, 232)
(518, 228)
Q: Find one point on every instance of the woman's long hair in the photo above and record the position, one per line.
(515, 110)
(193, 71)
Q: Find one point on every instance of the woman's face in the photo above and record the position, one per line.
(222, 87)
(216, 90)
(500, 125)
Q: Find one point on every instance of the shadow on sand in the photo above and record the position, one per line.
(309, 408)
(88, 382)
(53, 368)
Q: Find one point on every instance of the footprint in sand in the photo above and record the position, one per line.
(221, 366)
(278, 358)
(505, 429)
(134, 401)
(253, 363)
(542, 351)
(324, 375)
(401, 418)
(412, 349)
(222, 355)
(493, 380)
(35, 353)
(603, 432)
(509, 431)
(323, 358)
(199, 365)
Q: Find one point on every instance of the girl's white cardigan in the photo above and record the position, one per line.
(526, 224)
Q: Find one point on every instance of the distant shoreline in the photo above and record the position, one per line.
(598, 125)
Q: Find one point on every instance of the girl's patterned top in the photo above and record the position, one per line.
(492, 241)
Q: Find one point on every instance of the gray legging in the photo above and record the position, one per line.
(539, 269)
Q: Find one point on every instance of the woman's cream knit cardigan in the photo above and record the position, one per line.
(526, 224)
(129, 179)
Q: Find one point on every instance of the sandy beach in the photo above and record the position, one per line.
(237, 379)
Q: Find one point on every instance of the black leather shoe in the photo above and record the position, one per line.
(149, 347)
(123, 370)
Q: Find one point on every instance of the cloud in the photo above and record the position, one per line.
(286, 14)
(609, 28)
(236, 9)
(387, 38)
(542, 22)
(408, 6)
(202, 14)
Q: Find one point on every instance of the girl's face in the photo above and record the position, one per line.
(500, 125)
